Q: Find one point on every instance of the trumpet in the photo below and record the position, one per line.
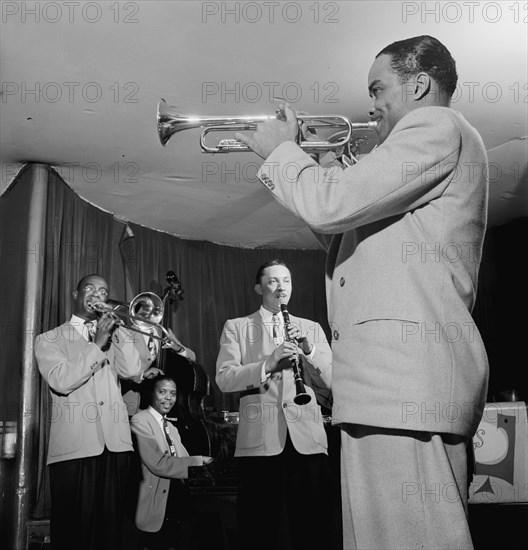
(144, 312)
(302, 397)
(170, 122)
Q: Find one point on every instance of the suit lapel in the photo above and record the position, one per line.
(156, 430)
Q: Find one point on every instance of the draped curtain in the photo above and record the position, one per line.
(218, 283)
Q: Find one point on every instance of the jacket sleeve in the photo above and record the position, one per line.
(131, 354)
(231, 374)
(412, 167)
(156, 460)
(67, 363)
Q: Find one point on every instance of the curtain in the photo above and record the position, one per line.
(14, 257)
(78, 241)
(218, 283)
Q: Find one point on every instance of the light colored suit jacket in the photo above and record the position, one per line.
(404, 230)
(157, 468)
(87, 410)
(267, 411)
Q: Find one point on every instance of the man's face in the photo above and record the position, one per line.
(391, 99)
(93, 289)
(275, 287)
(164, 396)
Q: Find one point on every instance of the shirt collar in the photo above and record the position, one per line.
(159, 417)
(267, 316)
(79, 323)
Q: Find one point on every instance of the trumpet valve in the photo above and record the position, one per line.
(226, 145)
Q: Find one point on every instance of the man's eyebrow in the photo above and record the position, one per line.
(372, 84)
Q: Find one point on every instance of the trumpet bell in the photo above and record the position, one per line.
(171, 122)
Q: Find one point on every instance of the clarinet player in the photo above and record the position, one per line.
(281, 446)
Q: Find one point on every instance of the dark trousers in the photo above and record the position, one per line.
(173, 534)
(186, 525)
(284, 501)
(178, 525)
(87, 502)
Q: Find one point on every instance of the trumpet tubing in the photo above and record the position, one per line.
(170, 122)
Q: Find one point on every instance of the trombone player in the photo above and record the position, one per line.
(281, 447)
(90, 443)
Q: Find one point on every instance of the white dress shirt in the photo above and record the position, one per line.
(181, 451)
(80, 326)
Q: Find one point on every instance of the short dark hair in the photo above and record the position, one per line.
(153, 382)
(82, 282)
(423, 54)
(260, 270)
(163, 378)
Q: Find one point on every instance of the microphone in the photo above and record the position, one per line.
(301, 395)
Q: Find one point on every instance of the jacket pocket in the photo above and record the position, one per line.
(250, 432)
(319, 435)
(65, 438)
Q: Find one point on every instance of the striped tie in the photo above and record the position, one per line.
(170, 443)
(278, 338)
(91, 328)
(152, 347)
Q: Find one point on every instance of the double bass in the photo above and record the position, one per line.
(197, 433)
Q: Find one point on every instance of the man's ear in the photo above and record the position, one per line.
(422, 86)
(258, 289)
(75, 294)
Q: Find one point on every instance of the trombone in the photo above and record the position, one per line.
(144, 312)
(170, 122)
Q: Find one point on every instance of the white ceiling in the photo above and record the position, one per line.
(81, 82)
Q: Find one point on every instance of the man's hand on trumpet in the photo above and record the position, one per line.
(272, 133)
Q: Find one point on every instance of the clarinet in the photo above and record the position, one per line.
(301, 396)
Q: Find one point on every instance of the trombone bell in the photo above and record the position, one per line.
(145, 312)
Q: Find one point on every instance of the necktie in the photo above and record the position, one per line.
(152, 347)
(90, 325)
(278, 338)
(172, 447)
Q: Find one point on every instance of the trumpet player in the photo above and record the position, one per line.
(281, 447)
(426, 185)
(90, 443)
